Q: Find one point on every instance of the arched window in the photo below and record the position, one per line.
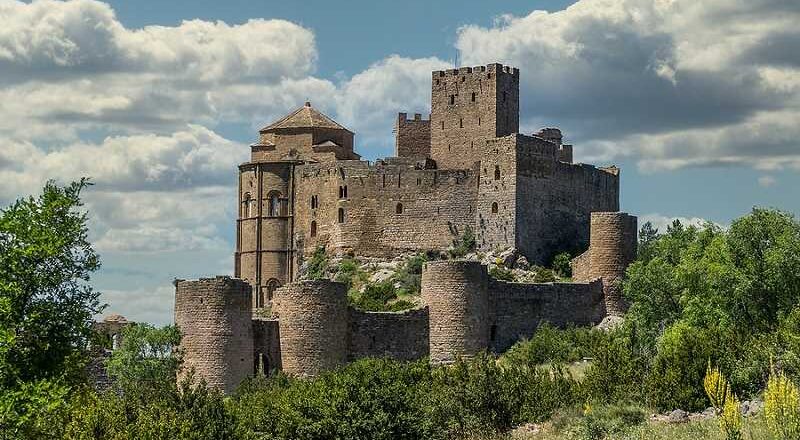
(398, 209)
(497, 172)
(272, 285)
(341, 215)
(313, 202)
(474, 96)
(274, 204)
(313, 228)
(494, 208)
(343, 192)
(247, 203)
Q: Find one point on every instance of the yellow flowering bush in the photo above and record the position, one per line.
(782, 407)
(727, 405)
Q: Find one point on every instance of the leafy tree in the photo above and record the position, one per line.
(464, 244)
(317, 267)
(146, 360)
(46, 302)
(647, 238)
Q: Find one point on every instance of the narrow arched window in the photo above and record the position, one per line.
(274, 204)
(452, 99)
(313, 202)
(272, 286)
(497, 172)
(474, 96)
(246, 205)
(494, 208)
(398, 209)
(341, 215)
(345, 191)
(313, 228)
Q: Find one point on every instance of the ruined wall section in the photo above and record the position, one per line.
(469, 106)
(412, 136)
(264, 225)
(458, 302)
(554, 200)
(396, 205)
(518, 309)
(398, 335)
(313, 322)
(266, 345)
(497, 202)
(214, 317)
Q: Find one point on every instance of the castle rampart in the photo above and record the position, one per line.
(214, 316)
(398, 335)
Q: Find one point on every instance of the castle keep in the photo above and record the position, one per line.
(465, 167)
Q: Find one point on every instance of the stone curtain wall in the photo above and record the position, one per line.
(456, 294)
(435, 206)
(399, 335)
(412, 136)
(214, 317)
(313, 326)
(266, 345)
(555, 199)
(518, 309)
(468, 106)
(497, 192)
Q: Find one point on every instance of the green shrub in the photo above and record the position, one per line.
(617, 369)
(544, 275)
(502, 274)
(317, 266)
(549, 344)
(562, 266)
(464, 244)
(676, 373)
(409, 275)
(600, 421)
(374, 297)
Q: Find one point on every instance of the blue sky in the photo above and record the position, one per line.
(697, 102)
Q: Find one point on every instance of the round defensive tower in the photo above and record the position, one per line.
(612, 248)
(312, 320)
(214, 316)
(458, 303)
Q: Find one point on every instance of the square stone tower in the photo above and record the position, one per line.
(468, 106)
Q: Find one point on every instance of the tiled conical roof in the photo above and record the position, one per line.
(304, 117)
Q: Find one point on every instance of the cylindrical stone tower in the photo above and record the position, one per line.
(612, 248)
(214, 316)
(457, 297)
(312, 318)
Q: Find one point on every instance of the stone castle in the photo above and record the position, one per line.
(467, 166)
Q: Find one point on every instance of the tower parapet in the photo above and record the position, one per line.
(313, 326)
(456, 294)
(214, 317)
(468, 106)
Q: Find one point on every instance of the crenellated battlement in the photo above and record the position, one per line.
(490, 68)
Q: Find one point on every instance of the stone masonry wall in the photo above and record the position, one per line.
(214, 317)
(399, 335)
(497, 203)
(412, 136)
(468, 106)
(554, 200)
(518, 309)
(266, 344)
(313, 326)
(456, 294)
(391, 207)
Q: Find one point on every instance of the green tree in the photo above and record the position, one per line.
(647, 238)
(146, 360)
(46, 301)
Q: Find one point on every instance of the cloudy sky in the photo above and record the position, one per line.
(697, 101)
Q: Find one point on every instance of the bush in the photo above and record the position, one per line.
(544, 275)
(317, 267)
(617, 370)
(409, 275)
(375, 297)
(782, 407)
(464, 244)
(562, 265)
(502, 274)
(599, 421)
(549, 344)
